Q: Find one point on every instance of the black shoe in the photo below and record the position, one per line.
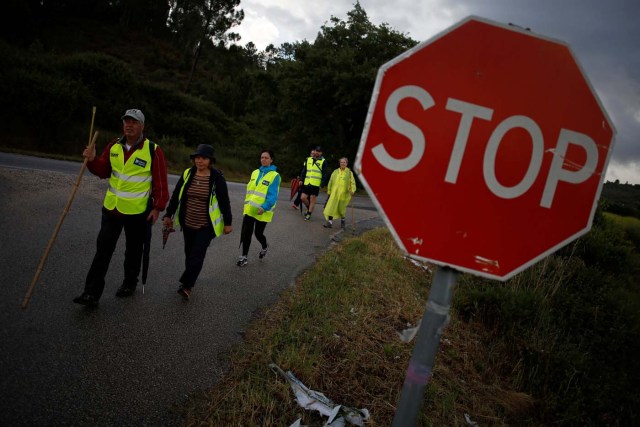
(263, 252)
(86, 299)
(125, 291)
(185, 292)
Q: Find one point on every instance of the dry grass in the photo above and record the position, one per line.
(336, 331)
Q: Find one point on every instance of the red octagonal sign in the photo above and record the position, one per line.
(485, 148)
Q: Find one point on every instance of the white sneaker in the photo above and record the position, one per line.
(242, 261)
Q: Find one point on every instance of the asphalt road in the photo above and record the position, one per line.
(129, 361)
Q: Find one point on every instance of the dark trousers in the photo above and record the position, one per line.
(248, 225)
(196, 242)
(135, 229)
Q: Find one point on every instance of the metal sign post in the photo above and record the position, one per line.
(434, 320)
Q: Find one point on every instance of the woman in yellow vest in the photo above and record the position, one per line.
(341, 187)
(200, 205)
(259, 204)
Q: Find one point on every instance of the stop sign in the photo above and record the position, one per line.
(485, 148)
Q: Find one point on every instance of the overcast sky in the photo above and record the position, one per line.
(604, 36)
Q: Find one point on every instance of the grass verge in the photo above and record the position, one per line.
(336, 330)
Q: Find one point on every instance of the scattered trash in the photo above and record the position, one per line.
(467, 418)
(408, 334)
(338, 415)
(425, 267)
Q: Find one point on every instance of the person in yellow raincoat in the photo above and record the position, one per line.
(341, 187)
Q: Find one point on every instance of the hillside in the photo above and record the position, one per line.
(194, 85)
(622, 199)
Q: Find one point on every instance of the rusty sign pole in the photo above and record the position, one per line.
(434, 320)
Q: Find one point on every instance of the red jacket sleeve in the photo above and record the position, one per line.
(160, 191)
(101, 165)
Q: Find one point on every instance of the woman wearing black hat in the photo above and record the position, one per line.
(200, 205)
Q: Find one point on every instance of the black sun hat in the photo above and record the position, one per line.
(204, 150)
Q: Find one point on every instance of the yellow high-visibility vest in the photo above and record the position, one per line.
(215, 214)
(314, 172)
(257, 194)
(130, 183)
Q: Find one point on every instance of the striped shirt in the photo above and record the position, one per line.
(197, 213)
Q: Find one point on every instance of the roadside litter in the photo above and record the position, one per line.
(338, 415)
(469, 421)
(409, 334)
(423, 266)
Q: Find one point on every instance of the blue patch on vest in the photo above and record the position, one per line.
(140, 162)
(265, 182)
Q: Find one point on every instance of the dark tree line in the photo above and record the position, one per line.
(183, 66)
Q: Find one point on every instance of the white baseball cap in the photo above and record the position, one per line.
(135, 114)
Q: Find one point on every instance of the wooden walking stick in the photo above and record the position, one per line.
(43, 260)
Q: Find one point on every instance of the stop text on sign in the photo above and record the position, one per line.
(468, 113)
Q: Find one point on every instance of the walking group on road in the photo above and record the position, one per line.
(314, 175)
(199, 206)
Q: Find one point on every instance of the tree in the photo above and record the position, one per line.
(198, 22)
(325, 87)
(143, 15)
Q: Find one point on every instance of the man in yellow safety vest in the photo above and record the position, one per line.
(136, 195)
(314, 176)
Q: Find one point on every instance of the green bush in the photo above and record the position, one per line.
(41, 103)
(195, 120)
(571, 323)
(193, 129)
(605, 246)
(630, 225)
(176, 153)
(58, 92)
(111, 83)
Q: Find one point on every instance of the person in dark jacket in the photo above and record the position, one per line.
(200, 205)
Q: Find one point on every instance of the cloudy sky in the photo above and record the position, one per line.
(603, 35)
